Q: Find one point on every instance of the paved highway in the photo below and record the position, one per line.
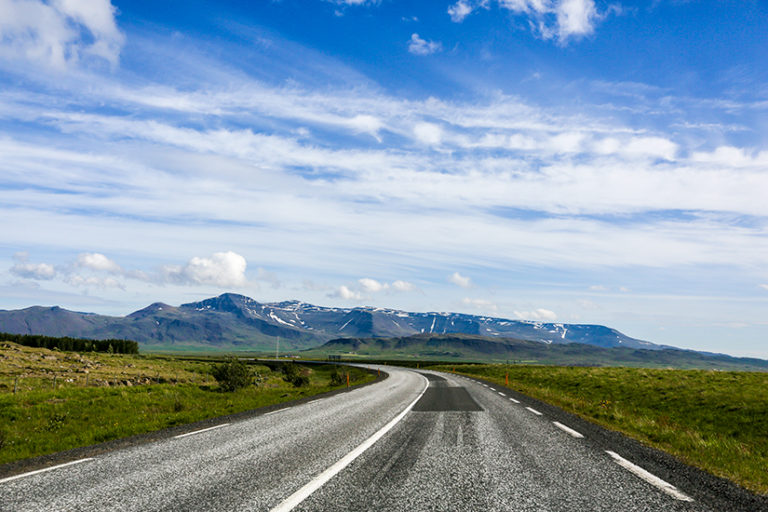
(414, 441)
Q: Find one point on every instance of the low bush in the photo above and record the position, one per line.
(232, 375)
(337, 378)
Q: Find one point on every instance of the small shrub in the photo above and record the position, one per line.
(3, 438)
(290, 371)
(232, 375)
(337, 378)
(292, 374)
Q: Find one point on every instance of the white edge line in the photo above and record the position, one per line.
(568, 430)
(273, 412)
(200, 431)
(44, 470)
(534, 411)
(297, 497)
(649, 477)
(312, 401)
(513, 400)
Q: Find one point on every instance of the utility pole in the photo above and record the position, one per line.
(277, 348)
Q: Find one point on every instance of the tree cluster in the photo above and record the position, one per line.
(113, 346)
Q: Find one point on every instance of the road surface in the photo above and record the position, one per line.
(414, 441)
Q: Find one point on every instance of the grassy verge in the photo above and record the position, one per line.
(66, 400)
(713, 420)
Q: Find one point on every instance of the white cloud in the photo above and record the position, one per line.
(459, 11)
(59, 33)
(403, 286)
(98, 262)
(368, 285)
(419, 46)
(365, 124)
(575, 18)
(567, 142)
(732, 157)
(221, 269)
(651, 146)
(371, 285)
(482, 304)
(598, 288)
(460, 280)
(428, 133)
(764, 286)
(27, 270)
(537, 314)
(563, 19)
(345, 293)
(93, 281)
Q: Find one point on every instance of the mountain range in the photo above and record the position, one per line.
(232, 321)
(467, 347)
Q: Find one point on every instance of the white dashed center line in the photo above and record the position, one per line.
(649, 477)
(534, 411)
(568, 430)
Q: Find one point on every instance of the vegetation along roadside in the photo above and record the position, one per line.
(52, 400)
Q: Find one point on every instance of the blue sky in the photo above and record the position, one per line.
(552, 160)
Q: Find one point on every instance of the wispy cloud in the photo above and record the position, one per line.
(222, 269)
(28, 270)
(481, 304)
(460, 280)
(343, 292)
(537, 314)
(366, 287)
(460, 10)
(419, 46)
(59, 33)
(563, 20)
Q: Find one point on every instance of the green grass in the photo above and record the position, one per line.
(40, 419)
(713, 420)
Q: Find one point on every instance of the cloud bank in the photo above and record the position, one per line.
(59, 33)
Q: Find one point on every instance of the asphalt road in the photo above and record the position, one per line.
(415, 441)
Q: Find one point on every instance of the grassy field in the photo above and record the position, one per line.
(65, 400)
(713, 420)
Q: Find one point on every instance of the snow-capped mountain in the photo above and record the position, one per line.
(236, 320)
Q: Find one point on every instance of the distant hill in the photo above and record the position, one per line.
(235, 321)
(460, 347)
